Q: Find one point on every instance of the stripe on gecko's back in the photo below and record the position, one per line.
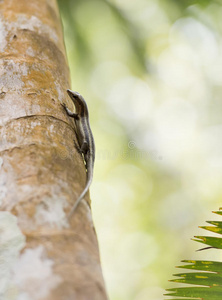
(82, 106)
(87, 136)
(85, 129)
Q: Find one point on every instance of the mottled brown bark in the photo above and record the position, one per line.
(42, 256)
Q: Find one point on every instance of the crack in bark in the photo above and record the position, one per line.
(34, 116)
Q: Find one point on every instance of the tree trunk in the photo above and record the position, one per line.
(42, 255)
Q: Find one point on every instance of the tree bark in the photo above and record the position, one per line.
(42, 255)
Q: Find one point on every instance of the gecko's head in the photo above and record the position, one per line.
(73, 95)
(76, 98)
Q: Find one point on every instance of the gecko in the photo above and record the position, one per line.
(85, 139)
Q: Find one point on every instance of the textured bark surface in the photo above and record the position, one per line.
(42, 256)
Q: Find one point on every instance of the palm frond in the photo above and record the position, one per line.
(208, 276)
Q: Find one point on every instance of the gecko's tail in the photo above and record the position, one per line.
(89, 181)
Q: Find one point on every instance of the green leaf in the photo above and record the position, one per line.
(211, 241)
(206, 293)
(217, 228)
(212, 279)
(210, 266)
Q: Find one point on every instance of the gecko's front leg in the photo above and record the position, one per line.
(69, 112)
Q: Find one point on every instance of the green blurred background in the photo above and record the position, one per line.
(151, 72)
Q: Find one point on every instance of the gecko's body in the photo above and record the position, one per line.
(85, 139)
